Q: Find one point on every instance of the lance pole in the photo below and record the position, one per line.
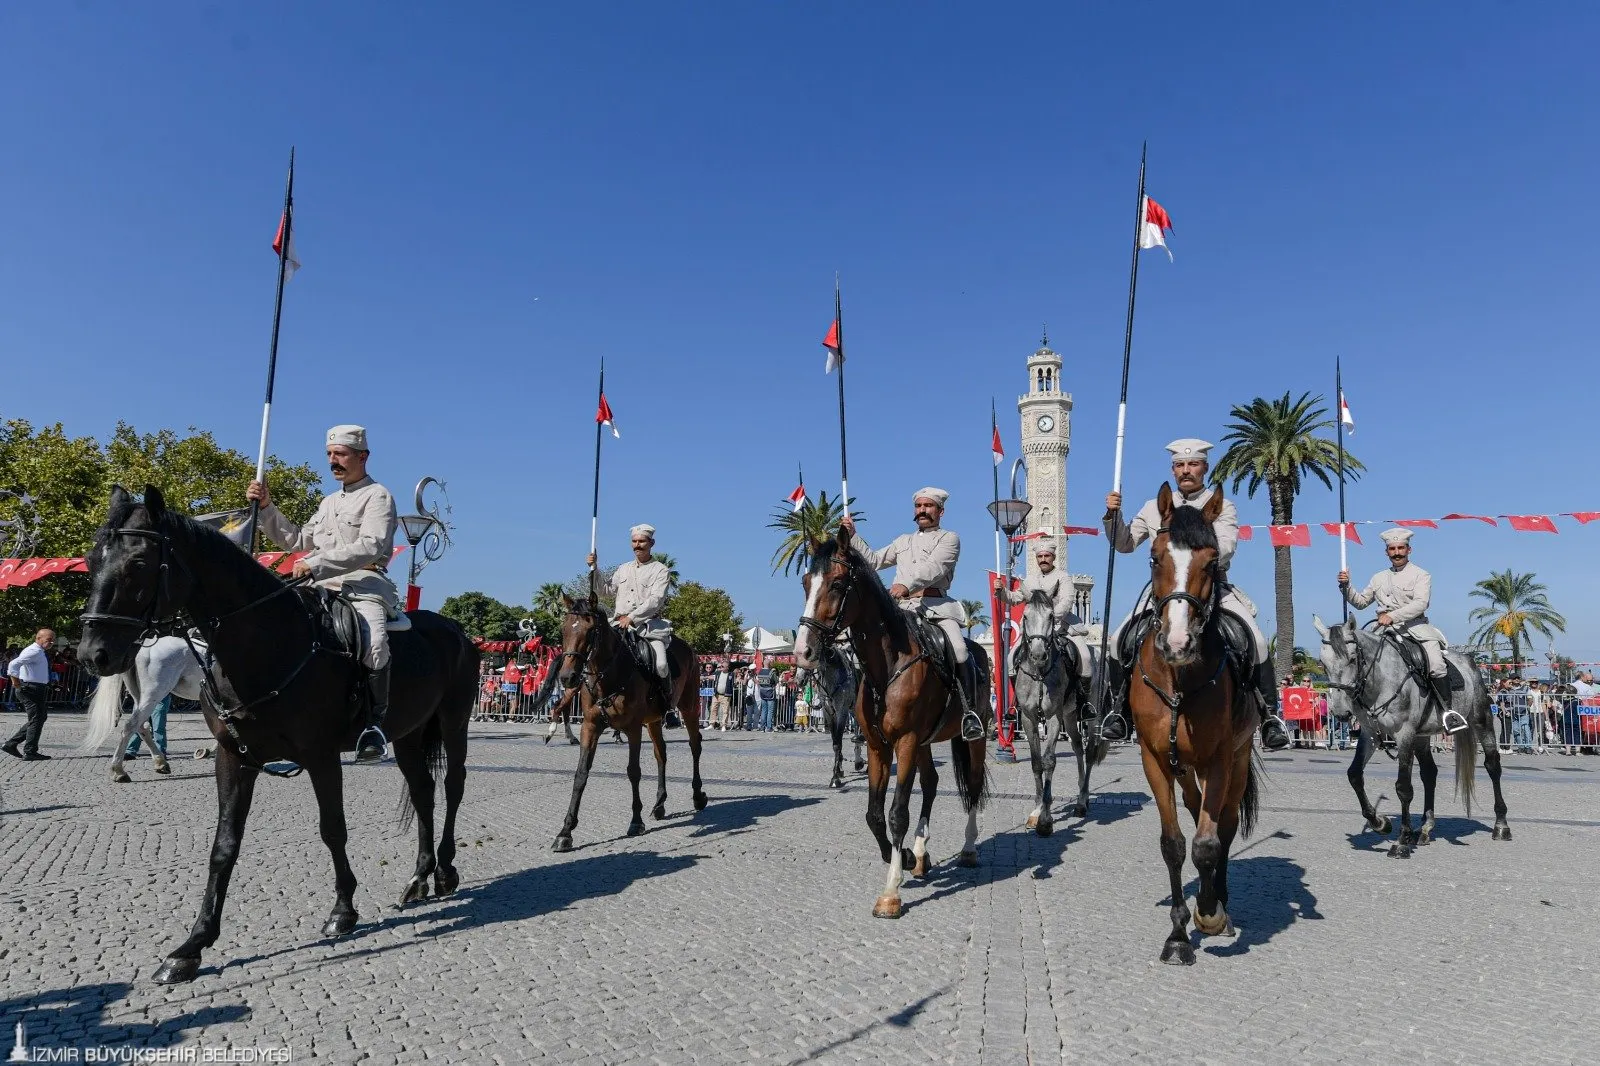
(594, 511)
(1338, 417)
(844, 464)
(286, 223)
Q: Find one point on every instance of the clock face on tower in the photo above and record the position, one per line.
(1045, 423)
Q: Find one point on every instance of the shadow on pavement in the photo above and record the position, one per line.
(900, 1019)
(736, 813)
(1269, 895)
(80, 1011)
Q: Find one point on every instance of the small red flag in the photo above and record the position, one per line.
(603, 416)
(1080, 531)
(1290, 536)
(1416, 523)
(798, 496)
(835, 348)
(1584, 517)
(1246, 533)
(1332, 529)
(1479, 517)
(996, 448)
(1531, 523)
(1157, 223)
(290, 259)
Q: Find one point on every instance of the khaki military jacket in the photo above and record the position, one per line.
(1127, 536)
(1058, 587)
(641, 590)
(350, 539)
(1402, 593)
(922, 560)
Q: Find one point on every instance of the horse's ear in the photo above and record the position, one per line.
(154, 502)
(1164, 502)
(1322, 630)
(1213, 506)
(119, 497)
(843, 537)
(566, 602)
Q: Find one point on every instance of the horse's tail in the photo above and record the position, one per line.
(103, 712)
(1250, 805)
(433, 755)
(971, 779)
(1466, 765)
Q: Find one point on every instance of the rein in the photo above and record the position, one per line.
(1205, 610)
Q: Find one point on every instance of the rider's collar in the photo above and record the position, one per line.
(352, 486)
(1191, 498)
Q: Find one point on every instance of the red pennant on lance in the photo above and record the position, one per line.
(1531, 523)
(798, 496)
(604, 417)
(1477, 517)
(994, 446)
(1156, 223)
(1247, 533)
(1290, 536)
(1081, 531)
(1415, 523)
(292, 261)
(1332, 529)
(1020, 537)
(835, 348)
(1583, 517)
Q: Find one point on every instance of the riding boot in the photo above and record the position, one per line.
(373, 745)
(1274, 735)
(972, 726)
(1452, 720)
(1113, 722)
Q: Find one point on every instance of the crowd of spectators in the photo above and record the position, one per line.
(754, 699)
(1535, 716)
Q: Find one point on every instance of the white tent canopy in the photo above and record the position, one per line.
(758, 639)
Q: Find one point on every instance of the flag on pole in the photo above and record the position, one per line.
(1157, 223)
(798, 496)
(1345, 418)
(291, 261)
(603, 416)
(835, 348)
(995, 447)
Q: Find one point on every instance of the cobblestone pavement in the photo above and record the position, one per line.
(744, 934)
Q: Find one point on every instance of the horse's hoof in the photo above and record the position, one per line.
(1178, 953)
(700, 801)
(1081, 811)
(562, 843)
(446, 881)
(163, 767)
(340, 924)
(921, 867)
(1215, 925)
(658, 812)
(1398, 850)
(860, 766)
(176, 971)
(1033, 821)
(1044, 829)
(1424, 838)
(120, 777)
(968, 859)
(416, 890)
(636, 828)
(1384, 826)
(886, 907)
(837, 782)
(1502, 832)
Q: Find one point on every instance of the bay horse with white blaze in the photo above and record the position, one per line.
(282, 689)
(1195, 720)
(614, 692)
(905, 704)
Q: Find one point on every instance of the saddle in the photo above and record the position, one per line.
(1239, 647)
(1416, 661)
(936, 646)
(342, 629)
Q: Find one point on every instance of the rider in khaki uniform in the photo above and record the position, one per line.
(349, 542)
(1402, 593)
(640, 586)
(1069, 626)
(925, 568)
(1190, 461)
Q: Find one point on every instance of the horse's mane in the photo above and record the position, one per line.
(1188, 529)
(584, 605)
(1038, 600)
(889, 611)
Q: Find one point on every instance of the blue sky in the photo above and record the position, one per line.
(491, 197)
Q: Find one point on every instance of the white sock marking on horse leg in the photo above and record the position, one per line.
(971, 844)
(919, 847)
(891, 886)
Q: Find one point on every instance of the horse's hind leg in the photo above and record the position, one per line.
(1030, 727)
(135, 721)
(928, 773)
(1357, 779)
(1405, 743)
(906, 757)
(836, 728)
(877, 786)
(1491, 763)
(1177, 949)
(327, 780)
(658, 745)
(1219, 794)
(410, 754)
(580, 779)
(635, 774)
(689, 711)
(236, 785)
(445, 878)
(1428, 770)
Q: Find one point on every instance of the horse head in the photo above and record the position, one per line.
(833, 585)
(1340, 655)
(1038, 625)
(584, 619)
(135, 581)
(1183, 575)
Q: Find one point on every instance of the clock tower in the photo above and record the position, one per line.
(1046, 437)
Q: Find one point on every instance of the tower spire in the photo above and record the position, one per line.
(1044, 339)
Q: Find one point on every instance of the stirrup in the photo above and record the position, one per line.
(366, 750)
(1113, 726)
(1453, 721)
(972, 727)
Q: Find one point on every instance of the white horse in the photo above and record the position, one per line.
(163, 668)
(1047, 694)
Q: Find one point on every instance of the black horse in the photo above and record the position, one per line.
(283, 691)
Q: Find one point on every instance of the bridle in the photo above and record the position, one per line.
(1364, 671)
(830, 632)
(150, 623)
(1202, 608)
(1203, 611)
(593, 680)
(1026, 641)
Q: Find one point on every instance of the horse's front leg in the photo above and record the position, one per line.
(1177, 950)
(1052, 736)
(1074, 731)
(1405, 743)
(928, 774)
(1428, 770)
(236, 785)
(836, 728)
(1356, 776)
(131, 724)
(327, 781)
(905, 755)
(879, 758)
(658, 745)
(1030, 726)
(1216, 791)
(636, 823)
(591, 740)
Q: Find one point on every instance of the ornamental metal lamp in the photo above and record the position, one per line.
(428, 529)
(1011, 514)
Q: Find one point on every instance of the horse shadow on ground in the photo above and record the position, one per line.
(81, 1012)
(900, 1019)
(1269, 895)
(739, 814)
(1449, 830)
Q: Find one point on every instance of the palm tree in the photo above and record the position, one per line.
(1515, 604)
(811, 524)
(672, 569)
(1274, 443)
(548, 610)
(976, 615)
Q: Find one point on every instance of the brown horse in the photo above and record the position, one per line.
(904, 705)
(1195, 723)
(615, 692)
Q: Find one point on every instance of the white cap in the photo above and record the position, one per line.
(644, 528)
(349, 436)
(1399, 535)
(1190, 448)
(1045, 545)
(938, 496)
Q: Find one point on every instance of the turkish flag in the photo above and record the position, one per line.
(287, 566)
(1246, 533)
(1299, 705)
(25, 573)
(1416, 523)
(7, 567)
(1531, 523)
(1290, 536)
(1480, 518)
(1332, 529)
(266, 559)
(1583, 517)
(1080, 531)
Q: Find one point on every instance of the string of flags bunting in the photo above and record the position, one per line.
(20, 573)
(1299, 534)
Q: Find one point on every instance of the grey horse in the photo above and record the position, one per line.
(1368, 677)
(1047, 692)
(838, 676)
(164, 667)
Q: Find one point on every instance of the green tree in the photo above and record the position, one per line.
(977, 614)
(672, 569)
(700, 615)
(1274, 443)
(811, 524)
(481, 615)
(198, 474)
(578, 587)
(1514, 605)
(548, 611)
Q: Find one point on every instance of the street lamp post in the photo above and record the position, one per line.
(415, 526)
(1012, 514)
